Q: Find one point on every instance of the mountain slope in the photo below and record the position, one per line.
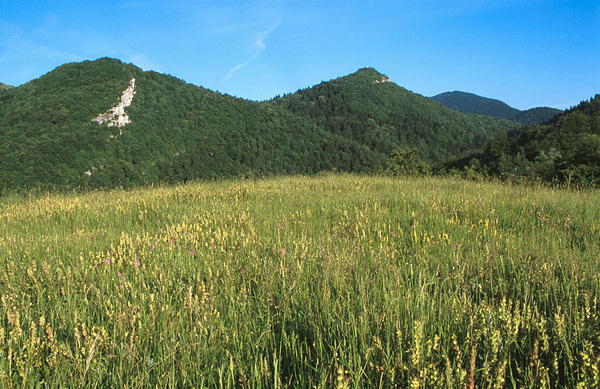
(472, 103)
(4, 86)
(370, 109)
(536, 115)
(177, 131)
(566, 149)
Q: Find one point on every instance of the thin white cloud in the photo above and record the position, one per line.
(259, 46)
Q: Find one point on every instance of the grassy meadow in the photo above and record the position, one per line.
(322, 282)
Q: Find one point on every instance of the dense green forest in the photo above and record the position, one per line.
(379, 114)
(472, 103)
(536, 115)
(565, 149)
(180, 132)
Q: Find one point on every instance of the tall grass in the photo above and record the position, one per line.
(339, 281)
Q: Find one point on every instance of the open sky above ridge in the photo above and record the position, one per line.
(525, 53)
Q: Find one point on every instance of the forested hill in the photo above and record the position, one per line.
(375, 112)
(173, 131)
(565, 149)
(472, 103)
(4, 86)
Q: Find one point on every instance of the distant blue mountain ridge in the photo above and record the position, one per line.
(472, 103)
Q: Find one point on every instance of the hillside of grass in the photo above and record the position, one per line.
(335, 281)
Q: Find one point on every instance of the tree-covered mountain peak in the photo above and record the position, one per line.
(369, 72)
(94, 84)
(472, 103)
(360, 84)
(365, 76)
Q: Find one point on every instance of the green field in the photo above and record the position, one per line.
(334, 281)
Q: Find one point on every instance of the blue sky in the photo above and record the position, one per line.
(527, 53)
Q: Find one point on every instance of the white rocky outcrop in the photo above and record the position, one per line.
(116, 116)
(383, 80)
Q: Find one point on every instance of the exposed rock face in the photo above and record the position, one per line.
(383, 80)
(116, 116)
